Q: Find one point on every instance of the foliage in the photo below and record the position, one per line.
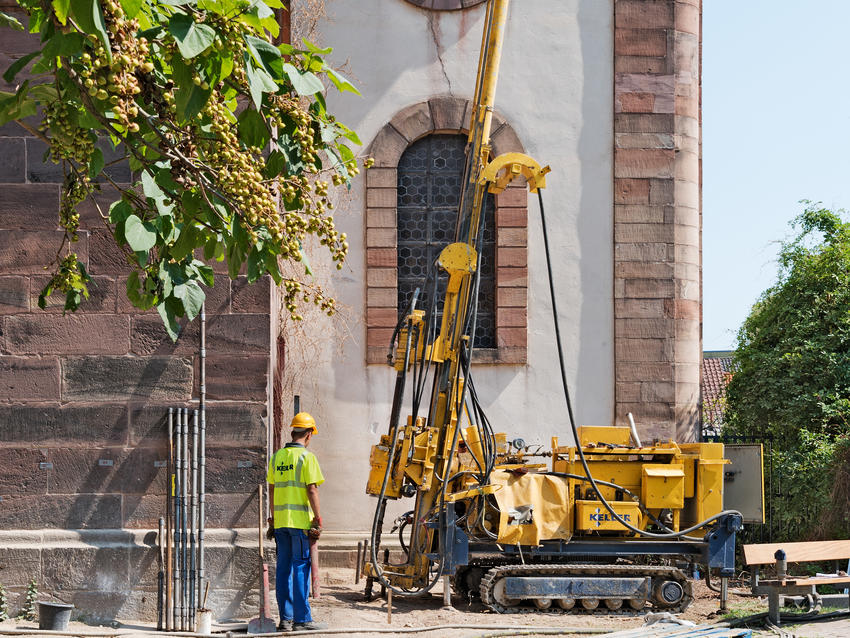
(4, 604)
(810, 493)
(228, 132)
(28, 611)
(792, 378)
(793, 353)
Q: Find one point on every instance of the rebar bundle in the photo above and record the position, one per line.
(183, 565)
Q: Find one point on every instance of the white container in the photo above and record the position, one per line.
(204, 621)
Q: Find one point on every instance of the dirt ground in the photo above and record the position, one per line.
(342, 606)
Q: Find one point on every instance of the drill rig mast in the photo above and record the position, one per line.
(501, 526)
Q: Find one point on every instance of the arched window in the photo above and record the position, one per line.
(430, 173)
(411, 207)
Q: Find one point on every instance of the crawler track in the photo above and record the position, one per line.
(657, 573)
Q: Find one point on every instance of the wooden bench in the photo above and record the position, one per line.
(784, 584)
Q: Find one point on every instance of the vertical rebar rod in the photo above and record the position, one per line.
(202, 464)
(357, 562)
(192, 547)
(169, 524)
(160, 581)
(185, 562)
(178, 519)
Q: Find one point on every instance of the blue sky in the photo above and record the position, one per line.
(776, 129)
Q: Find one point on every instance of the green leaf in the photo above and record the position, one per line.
(190, 98)
(275, 164)
(260, 9)
(235, 258)
(139, 235)
(45, 293)
(204, 272)
(340, 81)
(312, 48)
(304, 83)
(266, 54)
(304, 260)
(252, 129)
(192, 296)
(192, 37)
(186, 241)
(61, 9)
(95, 164)
(259, 82)
(10, 21)
(59, 44)
(19, 64)
(88, 15)
(150, 188)
(254, 264)
(166, 311)
(16, 106)
(131, 7)
(348, 134)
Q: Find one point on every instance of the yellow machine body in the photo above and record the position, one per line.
(679, 484)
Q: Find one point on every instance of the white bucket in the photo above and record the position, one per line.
(204, 621)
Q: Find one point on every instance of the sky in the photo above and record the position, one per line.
(776, 130)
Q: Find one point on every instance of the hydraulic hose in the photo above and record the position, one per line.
(377, 520)
(667, 535)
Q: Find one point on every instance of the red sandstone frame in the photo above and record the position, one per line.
(442, 115)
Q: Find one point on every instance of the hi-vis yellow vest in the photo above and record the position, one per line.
(291, 470)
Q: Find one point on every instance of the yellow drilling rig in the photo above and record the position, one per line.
(600, 524)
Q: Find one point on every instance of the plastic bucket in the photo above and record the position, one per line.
(204, 621)
(54, 616)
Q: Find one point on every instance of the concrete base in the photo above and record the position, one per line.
(112, 574)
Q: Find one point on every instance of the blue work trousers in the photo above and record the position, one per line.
(292, 578)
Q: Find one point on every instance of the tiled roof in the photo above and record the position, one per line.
(716, 373)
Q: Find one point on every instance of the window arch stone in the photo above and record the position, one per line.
(443, 115)
(445, 5)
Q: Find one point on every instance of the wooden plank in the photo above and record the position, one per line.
(797, 552)
(803, 582)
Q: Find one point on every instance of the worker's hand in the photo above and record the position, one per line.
(315, 530)
(270, 529)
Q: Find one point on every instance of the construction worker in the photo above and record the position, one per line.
(294, 477)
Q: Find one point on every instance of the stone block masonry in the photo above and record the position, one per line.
(657, 214)
(84, 399)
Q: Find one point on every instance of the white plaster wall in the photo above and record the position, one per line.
(555, 89)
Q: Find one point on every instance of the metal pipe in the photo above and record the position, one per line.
(178, 520)
(185, 562)
(160, 579)
(633, 428)
(447, 591)
(202, 462)
(169, 524)
(192, 547)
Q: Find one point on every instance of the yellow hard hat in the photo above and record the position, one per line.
(304, 420)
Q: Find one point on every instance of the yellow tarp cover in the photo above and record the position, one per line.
(549, 498)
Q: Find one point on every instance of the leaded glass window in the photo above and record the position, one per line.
(430, 173)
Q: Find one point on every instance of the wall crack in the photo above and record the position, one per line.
(436, 37)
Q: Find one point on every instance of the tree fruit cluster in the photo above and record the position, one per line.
(226, 130)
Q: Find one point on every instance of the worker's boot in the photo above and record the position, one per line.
(285, 624)
(309, 626)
